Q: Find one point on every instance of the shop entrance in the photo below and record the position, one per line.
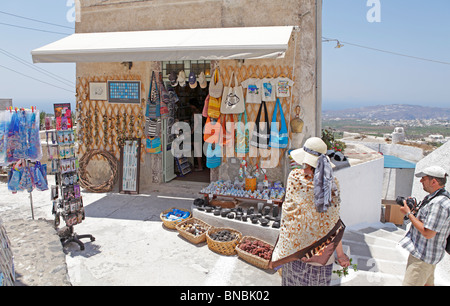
(190, 81)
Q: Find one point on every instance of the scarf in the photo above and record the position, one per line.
(323, 181)
(302, 227)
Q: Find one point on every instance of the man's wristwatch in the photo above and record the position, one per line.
(407, 215)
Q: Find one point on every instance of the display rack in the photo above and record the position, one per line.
(184, 167)
(66, 194)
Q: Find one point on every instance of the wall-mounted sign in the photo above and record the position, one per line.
(124, 92)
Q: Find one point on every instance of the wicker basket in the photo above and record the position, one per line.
(224, 248)
(250, 258)
(192, 238)
(172, 223)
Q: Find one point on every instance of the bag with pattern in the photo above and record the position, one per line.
(242, 135)
(278, 138)
(260, 135)
(153, 110)
(232, 98)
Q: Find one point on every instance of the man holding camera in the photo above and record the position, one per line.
(430, 226)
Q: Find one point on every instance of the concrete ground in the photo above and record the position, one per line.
(132, 247)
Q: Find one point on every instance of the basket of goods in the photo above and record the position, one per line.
(172, 216)
(193, 230)
(255, 251)
(223, 240)
(224, 203)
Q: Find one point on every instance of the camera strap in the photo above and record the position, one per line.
(430, 197)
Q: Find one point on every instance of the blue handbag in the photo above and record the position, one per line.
(278, 138)
(213, 156)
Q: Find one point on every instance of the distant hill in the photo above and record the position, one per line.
(390, 112)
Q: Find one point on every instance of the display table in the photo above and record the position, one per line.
(247, 228)
(214, 196)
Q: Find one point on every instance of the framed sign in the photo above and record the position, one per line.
(98, 91)
(124, 92)
(130, 164)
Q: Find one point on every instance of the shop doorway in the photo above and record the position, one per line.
(191, 94)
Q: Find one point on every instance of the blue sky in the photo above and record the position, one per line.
(352, 76)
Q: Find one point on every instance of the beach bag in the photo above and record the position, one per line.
(242, 137)
(153, 145)
(228, 133)
(232, 98)
(213, 155)
(214, 107)
(278, 138)
(216, 85)
(14, 179)
(165, 98)
(39, 174)
(153, 110)
(260, 135)
(205, 107)
(212, 132)
(153, 127)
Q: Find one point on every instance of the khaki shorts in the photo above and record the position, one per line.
(418, 273)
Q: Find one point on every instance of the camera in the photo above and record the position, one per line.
(411, 202)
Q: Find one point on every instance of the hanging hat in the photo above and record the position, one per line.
(181, 78)
(192, 80)
(173, 78)
(202, 80)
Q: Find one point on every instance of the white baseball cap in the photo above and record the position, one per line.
(434, 171)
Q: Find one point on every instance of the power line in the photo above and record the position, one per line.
(33, 29)
(388, 52)
(35, 79)
(38, 69)
(35, 20)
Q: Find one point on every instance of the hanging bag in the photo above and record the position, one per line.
(228, 131)
(278, 138)
(212, 132)
(242, 137)
(260, 135)
(214, 107)
(165, 98)
(153, 102)
(205, 107)
(216, 85)
(213, 155)
(153, 145)
(232, 98)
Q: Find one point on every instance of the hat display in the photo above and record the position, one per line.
(202, 80)
(192, 80)
(433, 171)
(314, 144)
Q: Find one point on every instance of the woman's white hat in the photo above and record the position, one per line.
(302, 157)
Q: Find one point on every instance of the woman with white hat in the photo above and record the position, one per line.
(311, 229)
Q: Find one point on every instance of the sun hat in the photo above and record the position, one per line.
(173, 78)
(313, 153)
(433, 171)
(202, 80)
(306, 157)
(192, 80)
(181, 78)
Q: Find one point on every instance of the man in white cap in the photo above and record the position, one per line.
(430, 227)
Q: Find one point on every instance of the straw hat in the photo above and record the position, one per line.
(302, 157)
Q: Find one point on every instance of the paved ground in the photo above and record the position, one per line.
(132, 247)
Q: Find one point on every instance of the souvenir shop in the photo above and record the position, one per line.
(255, 98)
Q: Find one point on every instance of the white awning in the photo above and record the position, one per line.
(166, 45)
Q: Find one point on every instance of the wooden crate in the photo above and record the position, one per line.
(392, 212)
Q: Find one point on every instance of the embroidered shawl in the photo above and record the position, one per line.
(301, 225)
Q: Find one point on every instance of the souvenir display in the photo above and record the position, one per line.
(66, 195)
(19, 136)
